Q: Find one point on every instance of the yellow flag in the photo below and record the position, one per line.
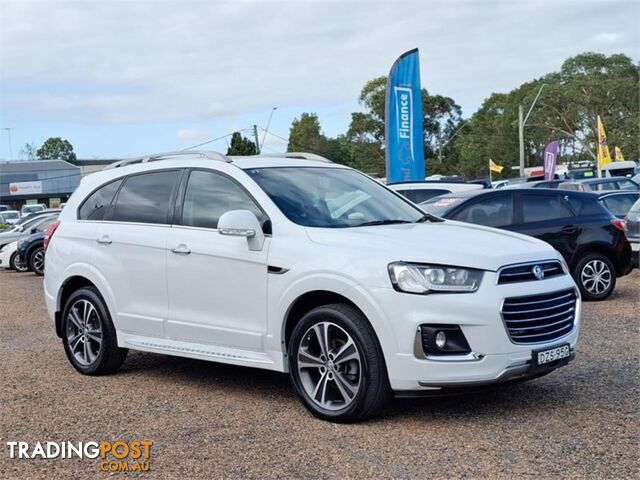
(619, 157)
(604, 157)
(495, 168)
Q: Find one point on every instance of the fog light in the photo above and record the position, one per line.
(441, 339)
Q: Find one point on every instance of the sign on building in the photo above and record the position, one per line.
(25, 188)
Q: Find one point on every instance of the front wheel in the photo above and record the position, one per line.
(595, 276)
(336, 364)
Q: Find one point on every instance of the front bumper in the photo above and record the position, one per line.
(494, 358)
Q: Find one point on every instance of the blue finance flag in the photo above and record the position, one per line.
(403, 121)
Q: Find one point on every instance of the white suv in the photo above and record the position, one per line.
(303, 266)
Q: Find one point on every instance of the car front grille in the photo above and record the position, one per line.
(525, 273)
(539, 318)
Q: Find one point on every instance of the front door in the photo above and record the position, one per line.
(217, 286)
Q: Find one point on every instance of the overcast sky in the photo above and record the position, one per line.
(120, 78)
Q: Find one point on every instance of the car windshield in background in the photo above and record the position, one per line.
(332, 197)
(440, 206)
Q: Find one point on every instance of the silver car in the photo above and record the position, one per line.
(632, 230)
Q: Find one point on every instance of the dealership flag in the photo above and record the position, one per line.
(604, 157)
(618, 153)
(493, 167)
(550, 158)
(404, 135)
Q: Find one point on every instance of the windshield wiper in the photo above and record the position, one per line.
(381, 222)
(429, 217)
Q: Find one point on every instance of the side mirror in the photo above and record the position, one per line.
(242, 223)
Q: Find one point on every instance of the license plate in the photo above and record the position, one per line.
(549, 355)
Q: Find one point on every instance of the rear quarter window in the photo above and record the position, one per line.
(96, 205)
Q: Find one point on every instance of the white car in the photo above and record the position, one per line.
(30, 208)
(419, 192)
(9, 258)
(254, 261)
(10, 216)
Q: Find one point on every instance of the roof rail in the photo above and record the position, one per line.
(208, 154)
(299, 155)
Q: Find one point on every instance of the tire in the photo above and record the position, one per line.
(595, 276)
(16, 264)
(85, 308)
(36, 260)
(354, 388)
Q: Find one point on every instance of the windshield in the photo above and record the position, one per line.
(332, 197)
(10, 215)
(440, 206)
(35, 208)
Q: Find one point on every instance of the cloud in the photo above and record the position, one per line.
(194, 61)
(193, 135)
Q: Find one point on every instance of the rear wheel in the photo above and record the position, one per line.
(88, 335)
(17, 264)
(336, 364)
(36, 261)
(595, 276)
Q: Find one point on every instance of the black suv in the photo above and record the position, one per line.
(589, 237)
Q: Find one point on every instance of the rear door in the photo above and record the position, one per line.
(131, 250)
(549, 217)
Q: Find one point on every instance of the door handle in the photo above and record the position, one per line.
(105, 240)
(181, 249)
(569, 229)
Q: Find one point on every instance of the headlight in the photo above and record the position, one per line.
(416, 278)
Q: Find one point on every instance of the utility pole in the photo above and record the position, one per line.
(521, 139)
(255, 135)
(521, 124)
(8, 129)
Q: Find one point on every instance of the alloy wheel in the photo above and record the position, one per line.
(18, 264)
(596, 277)
(329, 366)
(84, 332)
(38, 261)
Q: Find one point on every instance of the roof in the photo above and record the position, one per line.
(537, 191)
(35, 166)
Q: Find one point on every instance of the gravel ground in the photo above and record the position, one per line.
(210, 420)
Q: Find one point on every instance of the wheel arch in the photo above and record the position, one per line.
(600, 248)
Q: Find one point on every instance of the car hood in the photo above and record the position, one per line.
(447, 243)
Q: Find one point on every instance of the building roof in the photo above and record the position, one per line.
(25, 166)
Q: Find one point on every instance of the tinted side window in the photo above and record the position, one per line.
(209, 195)
(419, 196)
(540, 208)
(98, 202)
(493, 212)
(146, 198)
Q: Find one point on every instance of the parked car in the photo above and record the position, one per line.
(31, 248)
(618, 202)
(253, 261)
(32, 208)
(22, 230)
(9, 258)
(620, 169)
(589, 237)
(31, 216)
(4, 208)
(419, 192)
(10, 217)
(632, 230)
(597, 184)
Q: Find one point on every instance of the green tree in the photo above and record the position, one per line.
(305, 135)
(56, 148)
(586, 86)
(241, 146)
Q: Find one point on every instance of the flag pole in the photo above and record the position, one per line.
(490, 178)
